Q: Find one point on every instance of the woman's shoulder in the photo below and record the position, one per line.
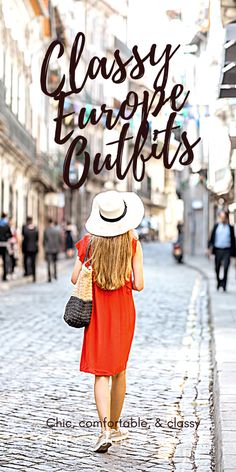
(83, 239)
(135, 239)
(81, 245)
(135, 236)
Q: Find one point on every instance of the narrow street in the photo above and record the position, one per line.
(169, 379)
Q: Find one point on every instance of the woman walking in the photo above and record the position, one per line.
(69, 242)
(116, 256)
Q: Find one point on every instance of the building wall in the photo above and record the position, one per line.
(24, 175)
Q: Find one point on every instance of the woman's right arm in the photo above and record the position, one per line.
(137, 264)
(76, 270)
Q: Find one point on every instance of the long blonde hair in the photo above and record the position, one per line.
(111, 260)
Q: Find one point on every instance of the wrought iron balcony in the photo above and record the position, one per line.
(122, 47)
(14, 130)
(49, 171)
(159, 199)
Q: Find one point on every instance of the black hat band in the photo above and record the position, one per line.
(114, 220)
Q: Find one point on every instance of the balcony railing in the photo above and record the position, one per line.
(15, 130)
(159, 199)
(122, 47)
(145, 190)
(48, 169)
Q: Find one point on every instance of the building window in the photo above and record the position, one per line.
(15, 89)
(8, 73)
(2, 64)
(2, 196)
(10, 201)
(149, 186)
(16, 222)
(21, 108)
(38, 210)
(32, 207)
(28, 111)
(26, 207)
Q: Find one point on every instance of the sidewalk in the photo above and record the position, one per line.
(41, 273)
(223, 319)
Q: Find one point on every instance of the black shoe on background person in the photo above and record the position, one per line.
(219, 284)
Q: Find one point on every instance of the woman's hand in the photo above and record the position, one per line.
(76, 270)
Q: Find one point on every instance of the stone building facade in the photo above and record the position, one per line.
(28, 171)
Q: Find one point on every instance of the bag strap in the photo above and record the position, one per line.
(87, 251)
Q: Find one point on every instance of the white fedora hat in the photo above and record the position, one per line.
(114, 213)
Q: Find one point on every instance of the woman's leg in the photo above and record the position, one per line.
(102, 399)
(117, 397)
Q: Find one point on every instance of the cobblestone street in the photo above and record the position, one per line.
(169, 379)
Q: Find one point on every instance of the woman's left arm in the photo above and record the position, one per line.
(137, 264)
(76, 270)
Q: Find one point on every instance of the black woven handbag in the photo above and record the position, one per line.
(78, 309)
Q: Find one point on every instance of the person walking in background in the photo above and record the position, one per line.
(178, 245)
(69, 242)
(117, 269)
(30, 247)
(52, 247)
(5, 235)
(222, 245)
(13, 246)
(180, 238)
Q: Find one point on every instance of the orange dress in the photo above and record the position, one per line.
(108, 337)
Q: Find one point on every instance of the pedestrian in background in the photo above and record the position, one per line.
(30, 247)
(13, 246)
(52, 247)
(116, 256)
(5, 235)
(222, 245)
(69, 242)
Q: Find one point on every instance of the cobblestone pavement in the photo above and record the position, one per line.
(169, 379)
